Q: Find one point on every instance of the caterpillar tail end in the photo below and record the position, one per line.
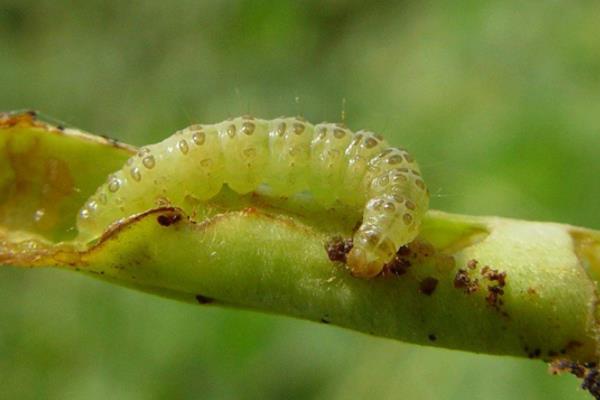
(363, 263)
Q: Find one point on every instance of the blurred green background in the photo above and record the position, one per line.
(500, 102)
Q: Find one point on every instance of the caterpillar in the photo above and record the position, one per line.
(289, 156)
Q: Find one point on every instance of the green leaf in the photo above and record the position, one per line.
(481, 284)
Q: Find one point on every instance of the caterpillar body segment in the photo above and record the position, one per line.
(245, 149)
(288, 156)
(328, 163)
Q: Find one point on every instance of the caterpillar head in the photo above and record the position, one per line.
(364, 263)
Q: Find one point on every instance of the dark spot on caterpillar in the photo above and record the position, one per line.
(248, 128)
(432, 337)
(298, 128)
(428, 286)
(337, 248)
(370, 143)
(168, 219)
(325, 319)
(31, 113)
(204, 300)
(231, 131)
(60, 127)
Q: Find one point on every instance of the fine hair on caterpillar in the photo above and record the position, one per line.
(289, 155)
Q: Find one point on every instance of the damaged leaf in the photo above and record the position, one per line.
(481, 284)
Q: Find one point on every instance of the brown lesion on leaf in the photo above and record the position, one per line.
(35, 184)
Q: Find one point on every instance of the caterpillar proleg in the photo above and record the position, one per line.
(289, 155)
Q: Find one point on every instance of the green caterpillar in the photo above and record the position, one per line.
(288, 155)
